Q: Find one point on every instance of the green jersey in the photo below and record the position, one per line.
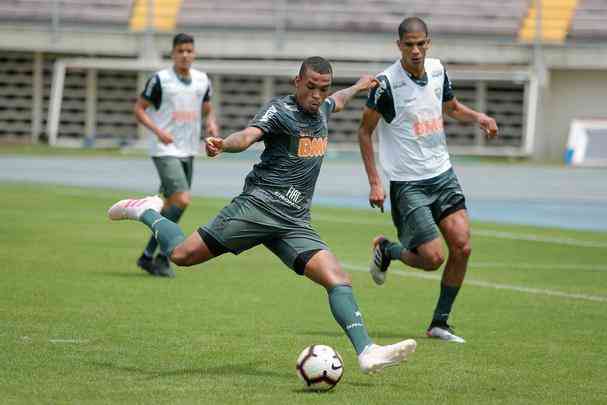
(295, 142)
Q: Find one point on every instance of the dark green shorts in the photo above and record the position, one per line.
(175, 174)
(243, 224)
(418, 206)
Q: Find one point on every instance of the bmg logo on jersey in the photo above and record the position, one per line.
(312, 147)
(427, 127)
(184, 116)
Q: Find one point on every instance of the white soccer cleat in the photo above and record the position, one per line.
(445, 333)
(375, 358)
(380, 261)
(132, 208)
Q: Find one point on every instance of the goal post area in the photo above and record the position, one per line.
(587, 142)
(91, 100)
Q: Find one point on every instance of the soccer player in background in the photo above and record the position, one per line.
(172, 108)
(407, 110)
(274, 207)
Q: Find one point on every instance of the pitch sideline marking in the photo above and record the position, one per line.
(543, 266)
(478, 283)
(487, 233)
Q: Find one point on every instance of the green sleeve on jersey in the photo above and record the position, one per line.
(328, 106)
(447, 89)
(381, 100)
(152, 91)
(208, 94)
(267, 119)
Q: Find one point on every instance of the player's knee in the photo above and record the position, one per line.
(181, 256)
(183, 200)
(434, 261)
(178, 258)
(340, 276)
(461, 249)
(345, 278)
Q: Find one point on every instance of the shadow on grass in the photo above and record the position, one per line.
(374, 335)
(239, 369)
(244, 369)
(354, 384)
(130, 274)
(306, 391)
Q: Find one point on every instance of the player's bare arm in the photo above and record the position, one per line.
(234, 143)
(342, 97)
(140, 106)
(208, 112)
(456, 110)
(365, 141)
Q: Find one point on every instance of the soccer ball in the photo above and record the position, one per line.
(320, 367)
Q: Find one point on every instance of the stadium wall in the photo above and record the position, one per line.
(571, 94)
(574, 89)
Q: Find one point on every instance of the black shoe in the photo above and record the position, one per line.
(380, 260)
(146, 263)
(162, 266)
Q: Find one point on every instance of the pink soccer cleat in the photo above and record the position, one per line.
(132, 208)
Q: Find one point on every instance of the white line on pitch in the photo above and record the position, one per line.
(486, 233)
(536, 238)
(537, 266)
(67, 341)
(478, 283)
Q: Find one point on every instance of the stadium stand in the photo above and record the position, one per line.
(25, 104)
(555, 17)
(91, 12)
(238, 96)
(589, 21)
(464, 17)
(164, 14)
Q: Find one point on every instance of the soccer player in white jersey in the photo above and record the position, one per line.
(407, 110)
(172, 108)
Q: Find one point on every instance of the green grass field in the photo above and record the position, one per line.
(81, 324)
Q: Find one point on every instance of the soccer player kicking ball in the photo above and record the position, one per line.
(274, 207)
(407, 110)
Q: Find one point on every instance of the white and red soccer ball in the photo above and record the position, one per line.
(320, 367)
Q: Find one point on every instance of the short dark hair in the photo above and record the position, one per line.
(316, 64)
(182, 39)
(412, 24)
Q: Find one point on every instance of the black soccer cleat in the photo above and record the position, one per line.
(162, 266)
(380, 260)
(146, 263)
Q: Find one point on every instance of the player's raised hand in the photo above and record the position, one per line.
(165, 137)
(488, 125)
(214, 146)
(366, 82)
(377, 197)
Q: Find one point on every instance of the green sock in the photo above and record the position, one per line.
(167, 232)
(394, 250)
(173, 213)
(150, 248)
(445, 302)
(346, 313)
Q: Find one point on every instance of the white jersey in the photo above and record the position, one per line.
(412, 143)
(176, 107)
